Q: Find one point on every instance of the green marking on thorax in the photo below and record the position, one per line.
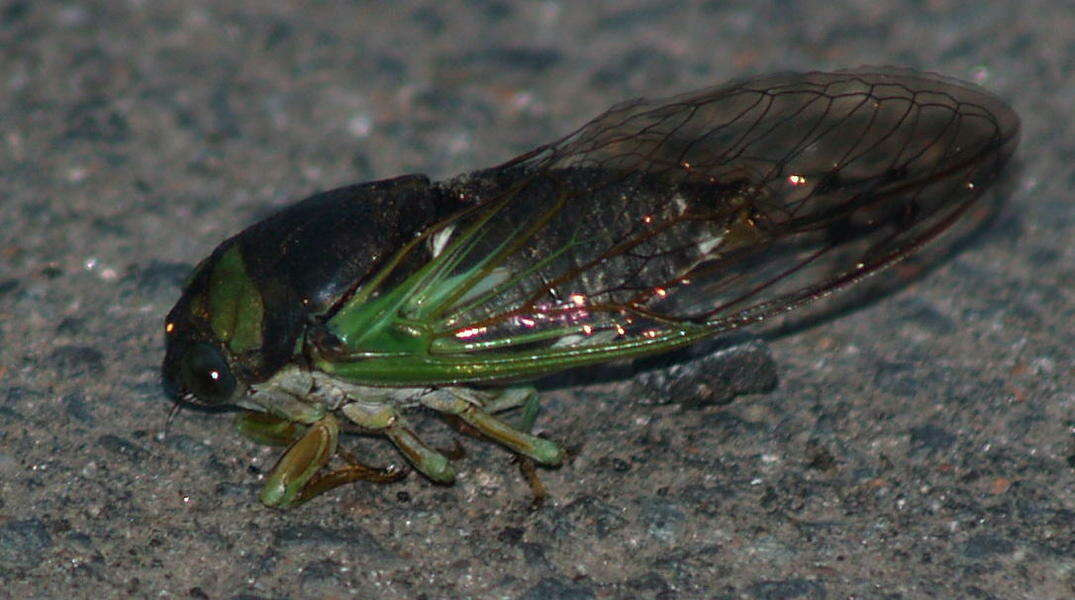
(235, 305)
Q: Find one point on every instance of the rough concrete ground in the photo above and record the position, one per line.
(919, 446)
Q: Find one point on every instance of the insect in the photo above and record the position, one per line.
(655, 225)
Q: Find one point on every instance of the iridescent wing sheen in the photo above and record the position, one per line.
(710, 210)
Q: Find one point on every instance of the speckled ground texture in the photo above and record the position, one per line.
(917, 444)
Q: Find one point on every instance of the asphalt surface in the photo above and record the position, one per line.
(918, 442)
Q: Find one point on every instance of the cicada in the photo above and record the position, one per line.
(655, 225)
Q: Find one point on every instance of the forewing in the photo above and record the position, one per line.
(711, 209)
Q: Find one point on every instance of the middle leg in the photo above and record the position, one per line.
(474, 409)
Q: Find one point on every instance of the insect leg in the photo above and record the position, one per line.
(300, 463)
(268, 430)
(384, 418)
(354, 471)
(529, 413)
(295, 478)
(513, 397)
(525, 397)
(467, 405)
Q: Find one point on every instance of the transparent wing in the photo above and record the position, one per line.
(709, 210)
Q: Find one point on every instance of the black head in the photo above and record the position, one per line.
(199, 367)
(195, 369)
(198, 373)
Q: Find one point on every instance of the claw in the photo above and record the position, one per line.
(529, 472)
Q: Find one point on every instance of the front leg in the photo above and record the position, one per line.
(285, 484)
(297, 476)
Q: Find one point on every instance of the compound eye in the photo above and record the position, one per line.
(206, 374)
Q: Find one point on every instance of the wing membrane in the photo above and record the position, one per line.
(713, 209)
